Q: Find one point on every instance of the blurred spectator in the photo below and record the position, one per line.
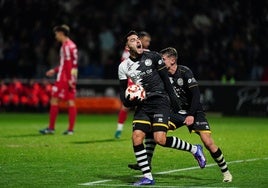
(2, 72)
(265, 74)
(107, 44)
(11, 57)
(206, 32)
(42, 65)
(52, 57)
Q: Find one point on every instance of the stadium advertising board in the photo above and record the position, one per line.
(244, 98)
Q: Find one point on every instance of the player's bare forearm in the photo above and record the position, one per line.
(50, 73)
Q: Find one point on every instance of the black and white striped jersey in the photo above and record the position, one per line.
(143, 71)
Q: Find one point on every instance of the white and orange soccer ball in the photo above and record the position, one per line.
(135, 91)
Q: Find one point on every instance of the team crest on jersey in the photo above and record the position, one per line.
(180, 81)
(160, 62)
(148, 62)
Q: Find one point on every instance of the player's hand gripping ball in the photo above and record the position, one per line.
(135, 92)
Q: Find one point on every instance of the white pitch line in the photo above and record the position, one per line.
(94, 182)
(209, 165)
(151, 186)
(98, 183)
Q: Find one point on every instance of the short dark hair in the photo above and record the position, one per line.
(63, 28)
(132, 32)
(144, 34)
(170, 51)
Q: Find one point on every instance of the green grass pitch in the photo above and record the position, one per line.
(93, 158)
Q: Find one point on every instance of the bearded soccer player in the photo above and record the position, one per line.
(151, 114)
(65, 85)
(145, 39)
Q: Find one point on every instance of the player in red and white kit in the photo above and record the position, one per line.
(122, 115)
(65, 85)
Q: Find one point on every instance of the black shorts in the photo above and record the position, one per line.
(200, 122)
(152, 115)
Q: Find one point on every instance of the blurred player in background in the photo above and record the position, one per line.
(65, 85)
(122, 115)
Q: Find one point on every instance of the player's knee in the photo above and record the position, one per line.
(137, 137)
(161, 140)
(160, 137)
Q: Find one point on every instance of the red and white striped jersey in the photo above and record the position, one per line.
(67, 70)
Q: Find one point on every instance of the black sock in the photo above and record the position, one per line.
(149, 146)
(142, 159)
(219, 159)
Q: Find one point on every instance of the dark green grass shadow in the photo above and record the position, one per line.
(98, 141)
(191, 180)
(164, 179)
(25, 135)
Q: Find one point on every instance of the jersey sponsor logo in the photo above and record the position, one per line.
(158, 115)
(201, 123)
(148, 62)
(180, 81)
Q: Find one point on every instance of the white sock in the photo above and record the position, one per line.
(194, 149)
(120, 126)
(149, 176)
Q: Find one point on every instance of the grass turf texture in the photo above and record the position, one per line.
(28, 159)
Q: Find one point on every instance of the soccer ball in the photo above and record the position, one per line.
(135, 91)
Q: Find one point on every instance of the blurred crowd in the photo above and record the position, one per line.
(218, 40)
(32, 96)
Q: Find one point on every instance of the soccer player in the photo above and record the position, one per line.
(122, 115)
(151, 114)
(192, 114)
(65, 85)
